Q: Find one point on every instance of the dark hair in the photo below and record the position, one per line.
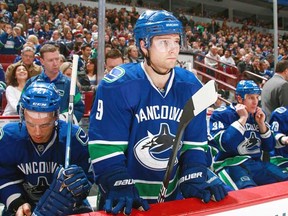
(114, 54)
(11, 77)
(83, 47)
(281, 66)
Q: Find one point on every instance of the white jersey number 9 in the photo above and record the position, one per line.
(99, 113)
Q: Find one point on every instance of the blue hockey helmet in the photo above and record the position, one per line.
(152, 23)
(247, 87)
(40, 97)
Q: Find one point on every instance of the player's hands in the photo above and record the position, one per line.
(76, 181)
(260, 116)
(195, 182)
(242, 112)
(120, 193)
(24, 210)
(284, 140)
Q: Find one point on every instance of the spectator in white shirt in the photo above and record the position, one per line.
(227, 59)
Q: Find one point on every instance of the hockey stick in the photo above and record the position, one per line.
(201, 100)
(71, 108)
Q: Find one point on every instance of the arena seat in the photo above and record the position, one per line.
(3, 102)
(5, 66)
(88, 100)
(6, 58)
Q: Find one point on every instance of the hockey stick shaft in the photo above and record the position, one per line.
(71, 109)
(202, 99)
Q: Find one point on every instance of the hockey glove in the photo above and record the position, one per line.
(57, 200)
(76, 182)
(194, 182)
(120, 193)
(70, 186)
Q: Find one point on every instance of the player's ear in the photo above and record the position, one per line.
(239, 99)
(143, 47)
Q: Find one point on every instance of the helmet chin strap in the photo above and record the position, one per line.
(149, 63)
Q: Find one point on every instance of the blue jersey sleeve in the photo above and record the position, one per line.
(109, 129)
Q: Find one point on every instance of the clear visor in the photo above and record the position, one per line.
(165, 45)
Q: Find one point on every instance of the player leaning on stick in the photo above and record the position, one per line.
(32, 155)
(134, 120)
(241, 134)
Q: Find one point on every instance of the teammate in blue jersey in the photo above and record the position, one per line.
(279, 124)
(32, 154)
(241, 134)
(134, 121)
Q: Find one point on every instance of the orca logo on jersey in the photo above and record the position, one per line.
(154, 151)
(250, 145)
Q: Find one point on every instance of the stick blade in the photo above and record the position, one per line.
(204, 97)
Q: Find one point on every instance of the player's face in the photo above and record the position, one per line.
(51, 62)
(40, 126)
(164, 50)
(251, 102)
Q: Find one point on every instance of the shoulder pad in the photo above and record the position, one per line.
(115, 74)
(281, 110)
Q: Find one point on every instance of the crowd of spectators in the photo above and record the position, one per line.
(74, 29)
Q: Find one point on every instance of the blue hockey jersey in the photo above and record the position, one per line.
(279, 124)
(234, 142)
(27, 168)
(133, 124)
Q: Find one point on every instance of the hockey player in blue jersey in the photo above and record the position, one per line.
(134, 120)
(240, 134)
(32, 154)
(279, 124)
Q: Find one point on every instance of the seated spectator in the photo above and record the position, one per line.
(66, 69)
(47, 32)
(240, 134)
(227, 59)
(91, 71)
(33, 39)
(10, 43)
(113, 58)
(132, 54)
(5, 14)
(22, 17)
(19, 57)
(88, 38)
(83, 58)
(27, 59)
(245, 65)
(94, 51)
(210, 58)
(265, 69)
(15, 84)
(36, 30)
(18, 31)
(279, 125)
